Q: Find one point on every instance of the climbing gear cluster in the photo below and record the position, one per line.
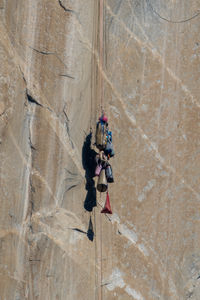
(106, 151)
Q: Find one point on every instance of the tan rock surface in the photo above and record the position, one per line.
(50, 97)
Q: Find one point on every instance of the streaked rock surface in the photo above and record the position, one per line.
(49, 84)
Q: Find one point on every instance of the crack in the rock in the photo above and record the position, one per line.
(66, 75)
(32, 148)
(32, 188)
(30, 142)
(67, 127)
(65, 114)
(48, 53)
(34, 259)
(23, 75)
(171, 21)
(71, 11)
(65, 9)
(31, 227)
(78, 230)
(42, 52)
(31, 99)
(71, 187)
(104, 284)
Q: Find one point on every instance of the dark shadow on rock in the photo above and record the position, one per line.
(89, 164)
(90, 232)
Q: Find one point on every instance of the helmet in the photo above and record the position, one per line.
(103, 118)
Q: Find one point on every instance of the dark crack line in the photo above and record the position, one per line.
(31, 99)
(42, 52)
(71, 187)
(66, 75)
(32, 147)
(66, 116)
(171, 21)
(30, 141)
(67, 128)
(71, 11)
(65, 9)
(48, 53)
(23, 75)
(32, 189)
(31, 144)
(78, 230)
(104, 284)
(34, 259)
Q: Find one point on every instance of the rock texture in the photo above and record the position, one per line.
(53, 245)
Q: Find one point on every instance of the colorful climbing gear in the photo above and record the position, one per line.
(109, 174)
(106, 151)
(98, 170)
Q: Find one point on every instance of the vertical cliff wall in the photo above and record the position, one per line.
(53, 243)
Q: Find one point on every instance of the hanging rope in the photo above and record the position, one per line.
(101, 250)
(101, 88)
(101, 85)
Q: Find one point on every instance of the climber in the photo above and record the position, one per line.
(104, 136)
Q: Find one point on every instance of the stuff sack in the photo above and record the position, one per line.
(98, 169)
(107, 207)
(102, 184)
(109, 149)
(109, 174)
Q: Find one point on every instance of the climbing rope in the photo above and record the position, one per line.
(101, 30)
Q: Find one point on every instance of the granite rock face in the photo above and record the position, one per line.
(54, 243)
